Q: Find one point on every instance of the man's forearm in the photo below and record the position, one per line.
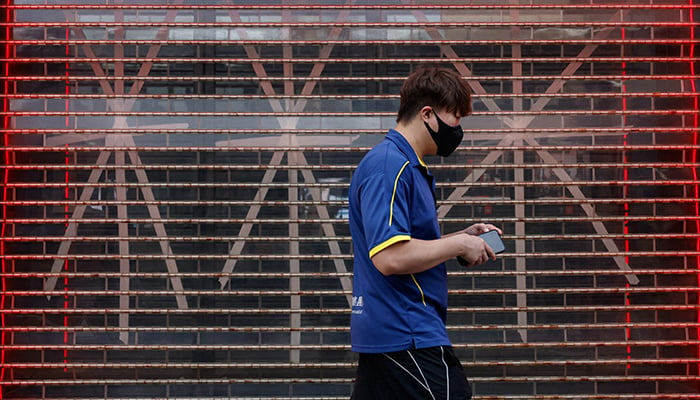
(415, 255)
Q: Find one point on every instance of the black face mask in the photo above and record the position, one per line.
(447, 137)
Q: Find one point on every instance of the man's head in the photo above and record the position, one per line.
(433, 100)
(442, 89)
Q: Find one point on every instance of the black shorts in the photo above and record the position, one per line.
(433, 373)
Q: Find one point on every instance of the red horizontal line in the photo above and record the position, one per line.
(331, 347)
(476, 327)
(345, 310)
(474, 201)
(327, 167)
(664, 112)
(337, 78)
(335, 275)
(334, 24)
(316, 132)
(666, 395)
(374, 42)
(335, 96)
(232, 185)
(316, 239)
(350, 366)
(609, 361)
(258, 293)
(587, 377)
(353, 7)
(350, 60)
(224, 148)
(317, 257)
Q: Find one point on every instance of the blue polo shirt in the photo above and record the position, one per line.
(392, 199)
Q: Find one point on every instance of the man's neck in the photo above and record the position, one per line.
(414, 132)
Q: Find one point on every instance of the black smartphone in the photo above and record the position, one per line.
(493, 239)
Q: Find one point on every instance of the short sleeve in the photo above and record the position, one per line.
(385, 200)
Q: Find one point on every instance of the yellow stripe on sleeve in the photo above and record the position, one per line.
(393, 194)
(376, 249)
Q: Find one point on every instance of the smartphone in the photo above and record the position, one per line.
(493, 239)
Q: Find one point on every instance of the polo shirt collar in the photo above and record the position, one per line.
(405, 148)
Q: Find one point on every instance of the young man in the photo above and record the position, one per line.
(400, 280)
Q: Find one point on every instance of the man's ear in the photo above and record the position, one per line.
(425, 113)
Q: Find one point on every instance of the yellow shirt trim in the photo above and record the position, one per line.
(376, 249)
(393, 194)
(420, 289)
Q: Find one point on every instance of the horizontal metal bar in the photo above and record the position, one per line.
(625, 396)
(618, 130)
(281, 185)
(196, 365)
(171, 203)
(356, 42)
(200, 381)
(277, 239)
(271, 78)
(345, 310)
(587, 95)
(345, 366)
(663, 396)
(227, 148)
(590, 271)
(282, 221)
(184, 329)
(221, 398)
(271, 365)
(336, 365)
(354, 7)
(249, 257)
(348, 60)
(287, 293)
(667, 395)
(394, 24)
(319, 257)
(194, 311)
(328, 114)
(335, 167)
(474, 201)
(261, 329)
(173, 239)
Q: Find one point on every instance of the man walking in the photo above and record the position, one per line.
(400, 279)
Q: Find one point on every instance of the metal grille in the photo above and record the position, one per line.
(174, 198)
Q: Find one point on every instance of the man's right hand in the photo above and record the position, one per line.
(475, 251)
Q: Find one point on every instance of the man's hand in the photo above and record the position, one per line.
(475, 251)
(478, 229)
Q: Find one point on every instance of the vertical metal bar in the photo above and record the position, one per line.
(123, 229)
(294, 267)
(519, 176)
(293, 193)
(121, 193)
(520, 262)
